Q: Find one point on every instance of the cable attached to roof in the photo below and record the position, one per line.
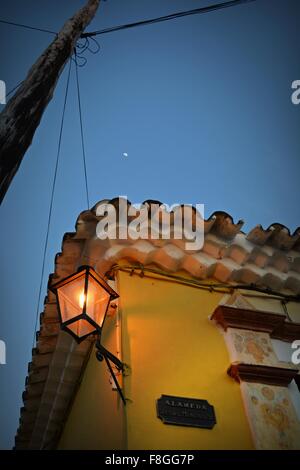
(212, 287)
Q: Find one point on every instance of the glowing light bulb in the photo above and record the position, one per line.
(81, 299)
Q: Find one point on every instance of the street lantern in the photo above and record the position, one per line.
(83, 299)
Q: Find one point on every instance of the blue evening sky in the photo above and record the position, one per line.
(202, 107)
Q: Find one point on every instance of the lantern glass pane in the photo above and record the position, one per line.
(97, 301)
(81, 328)
(71, 298)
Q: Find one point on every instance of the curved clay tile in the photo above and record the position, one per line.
(281, 237)
(296, 246)
(99, 203)
(149, 202)
(258, 235)
(280, 261)
(224, 225)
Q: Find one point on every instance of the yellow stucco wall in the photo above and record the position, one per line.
(97, 418)
(172, 348)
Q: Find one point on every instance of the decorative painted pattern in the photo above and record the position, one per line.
(252, 347)
(272, 417)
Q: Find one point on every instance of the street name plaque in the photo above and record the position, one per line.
(186, 411)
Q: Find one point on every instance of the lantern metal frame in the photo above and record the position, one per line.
(101, 351)
(83, 316)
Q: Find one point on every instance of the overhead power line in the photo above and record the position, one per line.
(196, 11)
(19, 25)
(14, 88)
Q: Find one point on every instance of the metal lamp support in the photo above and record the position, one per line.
(103, 353)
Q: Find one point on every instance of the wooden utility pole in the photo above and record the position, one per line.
(23, 112)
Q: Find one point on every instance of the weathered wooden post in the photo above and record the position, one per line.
(23, 112)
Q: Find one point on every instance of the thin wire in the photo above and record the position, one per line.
(81, 132)
(94, 51)
(13, 89)
(173, 16)
(86, 46)
(196, 11)
(19, 25)
(83, 47)
(51, 201)
(205, 285)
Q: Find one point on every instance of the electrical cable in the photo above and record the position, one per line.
(81, 132)
(19, 25)
(51, 201)
(196, 11)
(83, 45)
(14, 88)
(213, 287)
